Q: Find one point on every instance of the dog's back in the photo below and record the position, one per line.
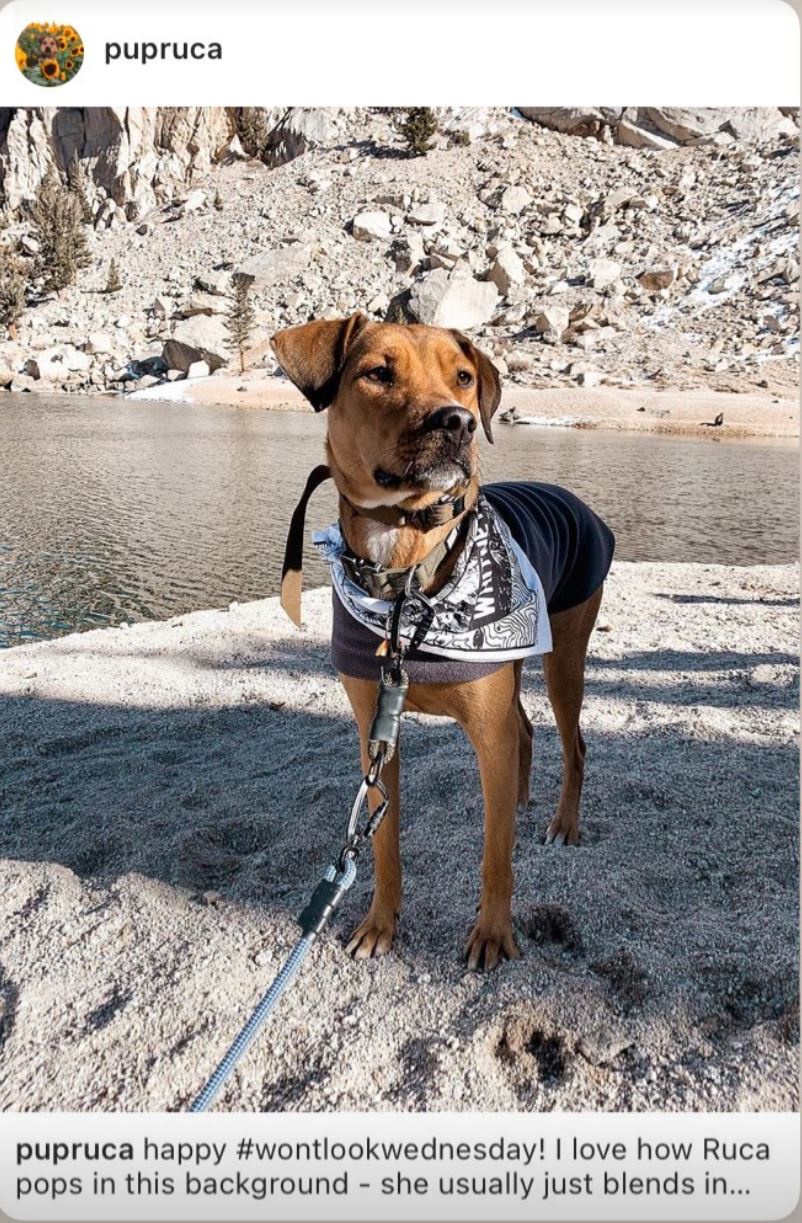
(566, 543)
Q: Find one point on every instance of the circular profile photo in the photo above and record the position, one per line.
(49, 54)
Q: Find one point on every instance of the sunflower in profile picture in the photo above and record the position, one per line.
(49, 54)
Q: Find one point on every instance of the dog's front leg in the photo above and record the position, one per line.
(494, 735)
(374, 936)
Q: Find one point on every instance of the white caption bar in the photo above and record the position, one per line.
(400, 1166)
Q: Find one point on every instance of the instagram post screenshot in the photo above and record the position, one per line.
(399, 611)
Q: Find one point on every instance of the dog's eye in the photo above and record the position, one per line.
(464, 377)
(379, 373)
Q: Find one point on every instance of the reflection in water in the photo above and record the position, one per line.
(113, 510)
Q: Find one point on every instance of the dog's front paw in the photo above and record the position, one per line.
(373, 937)
(562, 831)
(489, 941)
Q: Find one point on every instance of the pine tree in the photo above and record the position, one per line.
(56, 216)
(79, 183)
(12, 292)
(417, 127)
(240, 316)
(113, 282)
(253, 130)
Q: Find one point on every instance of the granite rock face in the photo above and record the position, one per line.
(664, 127)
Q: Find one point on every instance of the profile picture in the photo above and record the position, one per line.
(49, 54)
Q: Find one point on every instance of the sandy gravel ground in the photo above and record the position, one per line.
(644, 411)
(142, 767)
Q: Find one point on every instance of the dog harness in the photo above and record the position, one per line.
(528, 549)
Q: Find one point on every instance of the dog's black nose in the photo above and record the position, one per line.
(457, 421)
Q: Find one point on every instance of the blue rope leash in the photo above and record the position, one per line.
(313, 919)
(382, 742)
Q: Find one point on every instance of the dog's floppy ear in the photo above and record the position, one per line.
(488, 381)
(313, 355)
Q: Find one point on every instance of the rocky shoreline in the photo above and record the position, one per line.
(690, 413)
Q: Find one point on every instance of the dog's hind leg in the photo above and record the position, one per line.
(525, 732)
(564, 670)
(374, 936)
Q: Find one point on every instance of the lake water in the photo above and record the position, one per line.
(113, 510)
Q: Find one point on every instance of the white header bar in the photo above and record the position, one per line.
(360, 52)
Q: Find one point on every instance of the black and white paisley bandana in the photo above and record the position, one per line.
(493, 607)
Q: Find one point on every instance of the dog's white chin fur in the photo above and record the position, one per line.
(449, 476)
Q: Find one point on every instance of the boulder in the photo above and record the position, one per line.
(553, 319)
(453, 300)
(550, 225)
(433, 213)
(379, 304)
(277, 267)
(665, 127)
(218, 283)
(575, 120)
(6, 377)
(316, 182)
(257, 350)
(202, 303)
(57, 364)
(618, 198)
(161, 306)
(657, 278)
(202, 331)
(368, 226)
(192, 202)
(507, 270)
(603, 272)
(299, 129)
(514, 200)
(24, 382)
(198, 369)
(688, 125)
(638, 137)
(200, 338)
(408, 252)
(153, 366)
(99, 342)
(722, 284)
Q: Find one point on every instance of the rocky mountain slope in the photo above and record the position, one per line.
(626, 247)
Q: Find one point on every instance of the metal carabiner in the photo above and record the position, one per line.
(359, 801)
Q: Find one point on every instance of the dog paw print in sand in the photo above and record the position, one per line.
(552, 928)
(627, 980)
(421, 1069)
(534, 1054)
(9, 998)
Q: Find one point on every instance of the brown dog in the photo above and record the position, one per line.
(404, 404)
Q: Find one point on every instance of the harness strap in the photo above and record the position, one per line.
(292, 569)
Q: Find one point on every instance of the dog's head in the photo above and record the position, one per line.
(404, 404)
